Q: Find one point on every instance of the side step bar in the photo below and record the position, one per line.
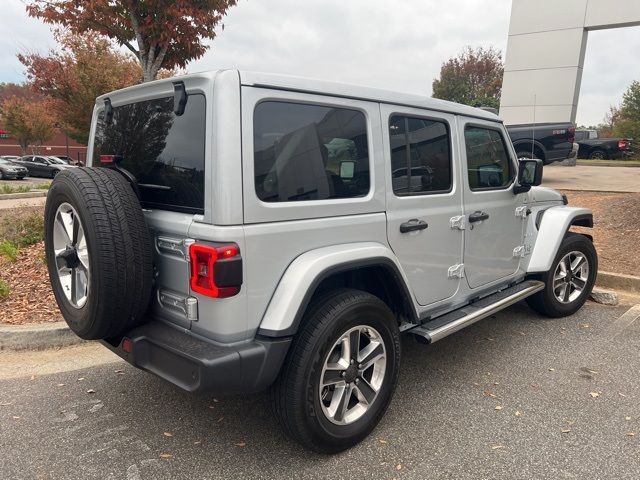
(445, 325)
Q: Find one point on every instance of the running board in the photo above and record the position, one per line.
(443, 326)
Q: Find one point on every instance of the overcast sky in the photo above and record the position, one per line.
(394, 45)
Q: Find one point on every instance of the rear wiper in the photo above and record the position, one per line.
(152, 186)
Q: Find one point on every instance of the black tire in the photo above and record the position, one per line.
(295, 396)
(598, 155)
(119, 246)
(545, 301)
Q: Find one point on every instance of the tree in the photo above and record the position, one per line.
(473, 78)
(29, 122)
(86, 67)
(166, 33)
(627, 122)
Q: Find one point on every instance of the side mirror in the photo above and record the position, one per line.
(529, 174)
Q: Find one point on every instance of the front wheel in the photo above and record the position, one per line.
(341, 372)
(570, 280)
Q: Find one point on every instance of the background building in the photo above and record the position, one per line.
(546, 51)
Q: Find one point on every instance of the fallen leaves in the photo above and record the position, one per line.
(565, 430)
(90, 391)
(168, 434)
(498, 407)
(166, 455)
(31, 299)
(631, 434)
(594, 394)
(240, 444)
(497, 447)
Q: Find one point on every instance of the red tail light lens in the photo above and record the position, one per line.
(216, 271)
(107, 158)
(622, 144)
(572, 134)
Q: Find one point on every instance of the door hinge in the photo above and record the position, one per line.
(519, 251)
(456, 271)
(459, 222)
(522, 212)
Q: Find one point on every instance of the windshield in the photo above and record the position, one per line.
(164, 152)
(56, 160)
(4, 161)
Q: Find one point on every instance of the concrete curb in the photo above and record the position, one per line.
(37, 337)
(618, 281)
(17, 196)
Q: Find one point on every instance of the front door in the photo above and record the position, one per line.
(423, 195)
(495, 225)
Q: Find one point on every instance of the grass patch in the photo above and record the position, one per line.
(22, 227)
(9, 250)
(4, 290)
(6, 188)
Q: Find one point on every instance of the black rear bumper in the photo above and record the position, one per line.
(198, 365)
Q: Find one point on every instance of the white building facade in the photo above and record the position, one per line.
(545, 55)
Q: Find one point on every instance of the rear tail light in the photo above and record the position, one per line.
(216, 270)
(107, 158)
(572, 134)
(623, 144)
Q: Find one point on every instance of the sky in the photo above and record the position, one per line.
(392, 45)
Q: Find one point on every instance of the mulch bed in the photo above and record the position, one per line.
(31, 299)
(616, 232)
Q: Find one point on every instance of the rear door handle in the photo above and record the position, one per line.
(478, 217)
(413, 225)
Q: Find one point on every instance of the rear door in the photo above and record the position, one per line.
(423, 198)
(495, 226)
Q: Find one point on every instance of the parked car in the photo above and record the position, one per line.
(593, 147)
(42, 166)
(67, 160)
(287, 244)
(10, 157)
(550, 142)
(11, 170)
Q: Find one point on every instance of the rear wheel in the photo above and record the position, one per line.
(341, 372)
(570, 280)
(598, 155)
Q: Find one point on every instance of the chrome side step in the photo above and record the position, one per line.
(445, 325)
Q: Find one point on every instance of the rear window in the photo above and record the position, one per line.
(164, 152)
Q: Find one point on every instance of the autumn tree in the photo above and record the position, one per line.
(160, 33)
(29, 122)
(86, 67)
(627, 120)
(473, 78)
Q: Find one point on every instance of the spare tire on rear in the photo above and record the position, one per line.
(99, 252)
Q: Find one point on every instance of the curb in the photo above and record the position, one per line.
(17, 196)
(618, 281)
(37, 337)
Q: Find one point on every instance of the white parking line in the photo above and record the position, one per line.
(625, 321)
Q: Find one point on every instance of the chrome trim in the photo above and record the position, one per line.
(185, 306)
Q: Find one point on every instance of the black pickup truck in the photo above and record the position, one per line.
(550, 142)
(593, 147)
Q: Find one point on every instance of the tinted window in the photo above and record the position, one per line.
(309, 152)
(420, 156)
(165, 152)
(488, 162)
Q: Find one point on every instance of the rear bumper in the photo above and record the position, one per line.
(198, 365)
(15, 175)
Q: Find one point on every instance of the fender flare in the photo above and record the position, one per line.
(302, 277)
(553, 226)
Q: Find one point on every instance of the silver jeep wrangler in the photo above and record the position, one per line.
(239, 231)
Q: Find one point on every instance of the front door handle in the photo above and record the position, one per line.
(413, 225)
(478, 217)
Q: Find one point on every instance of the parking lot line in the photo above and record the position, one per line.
(624, 322)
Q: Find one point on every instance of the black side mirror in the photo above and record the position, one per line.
(529, 174)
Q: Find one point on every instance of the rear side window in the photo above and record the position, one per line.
(488, 162)
(165, 152)
(420, 156)
(309, 152)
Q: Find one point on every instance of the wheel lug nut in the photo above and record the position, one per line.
(352, 361)
(342, 374)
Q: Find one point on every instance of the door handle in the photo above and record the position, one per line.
(413, 225)
(478, 217)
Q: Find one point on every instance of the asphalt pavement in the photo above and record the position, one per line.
(592, 178)
(515, 396)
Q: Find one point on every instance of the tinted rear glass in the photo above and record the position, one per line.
(165, 152)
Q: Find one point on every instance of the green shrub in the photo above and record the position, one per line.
(4, 290)
(23, 226)
(9, 249)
